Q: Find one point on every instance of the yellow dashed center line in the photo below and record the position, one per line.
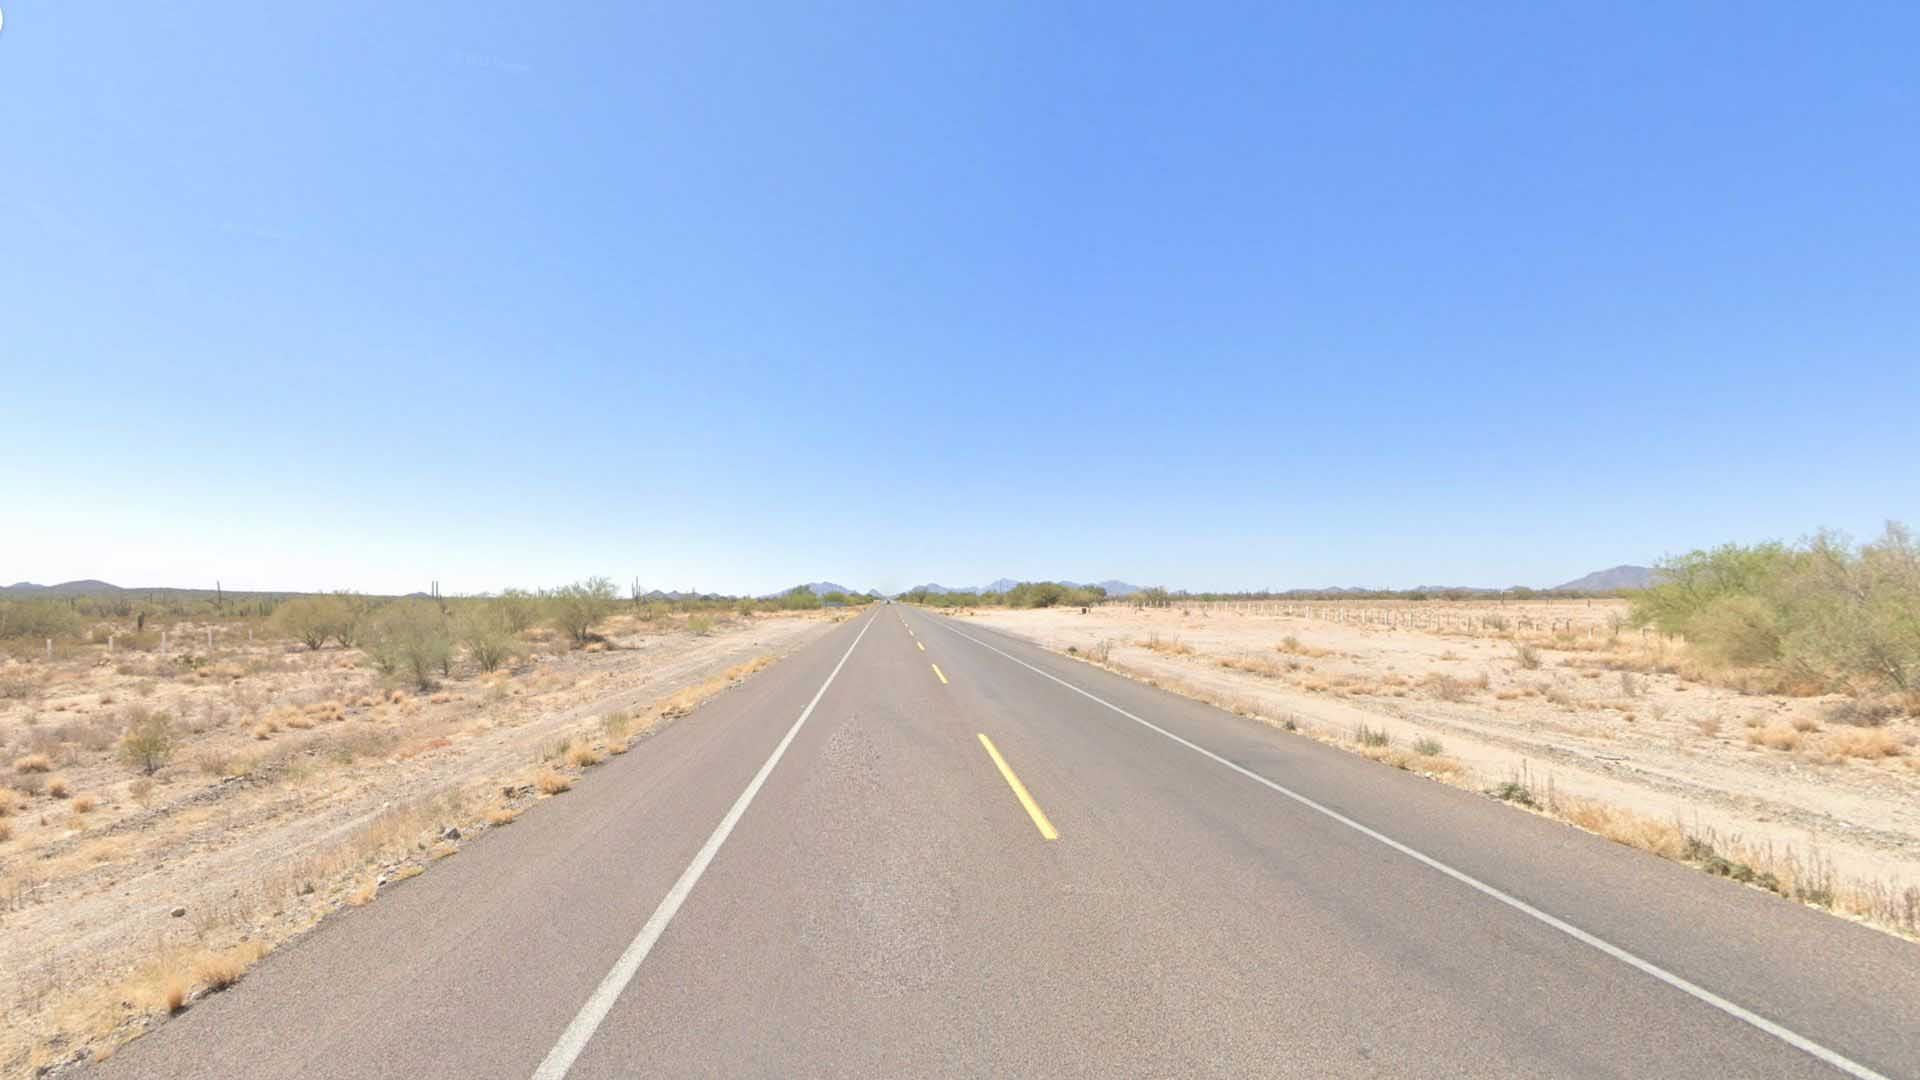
(921, 645)
(1047, 831)
(942, 674)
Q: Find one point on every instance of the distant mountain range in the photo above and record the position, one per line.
(822, 588)
(1612, 579)
(1624, 576)
(1114, 588)
(89, 587)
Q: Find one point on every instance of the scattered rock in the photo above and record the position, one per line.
(178, 912)
(452, 833)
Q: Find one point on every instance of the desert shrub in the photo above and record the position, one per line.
(149, 741)
(1446, 687)
(700, 624)
(1737, 631)
(348, 612)
(1823, 611)
(1862, 712)
(1527, 657)
(519, 610)
(484, 631)
(19, 687)
(1032, 594)
(410, 639)
(1428, 746)
(39, 619)
(1372, 736)
(1513, 791)
(307, 619)
(579, 607)
(798, 598)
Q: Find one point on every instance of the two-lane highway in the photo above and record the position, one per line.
(923, 848)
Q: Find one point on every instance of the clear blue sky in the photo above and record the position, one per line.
(734, 296)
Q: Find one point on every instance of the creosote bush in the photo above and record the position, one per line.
(579, 607)
(485, 630)
(149, 741)
(410, 639)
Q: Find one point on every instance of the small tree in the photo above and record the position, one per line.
(519, 609)
(410, 638)
(483, 630)
(579, 607)
(346, 615)
(148, 743)
(307, 618)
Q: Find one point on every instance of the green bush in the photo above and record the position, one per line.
(1823, 610)
(347, 614)
(148, 743)
(798, 598)
(579, 607)
(519, 610)
(410, 639)
(312, 620)
(483, 629)
(39, 619)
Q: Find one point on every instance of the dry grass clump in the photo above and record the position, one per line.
(501, 815)
(552, 782)
(1663, 838)
(1868, 743)
(582, 755)
(1448, 688)
(618, 727)
(1775, 737)
(1293, 646)
(33, 763)
(364, 895)
(83, 804)
(1255, 665)
(58, 787)
(218, 970)
(1864, 712)
(740, 671)
(1166, 646)
(684, 702)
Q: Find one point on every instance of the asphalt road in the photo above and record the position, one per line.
(828, 872)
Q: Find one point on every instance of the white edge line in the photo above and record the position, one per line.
(587, 1020)
(1791, 1038)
